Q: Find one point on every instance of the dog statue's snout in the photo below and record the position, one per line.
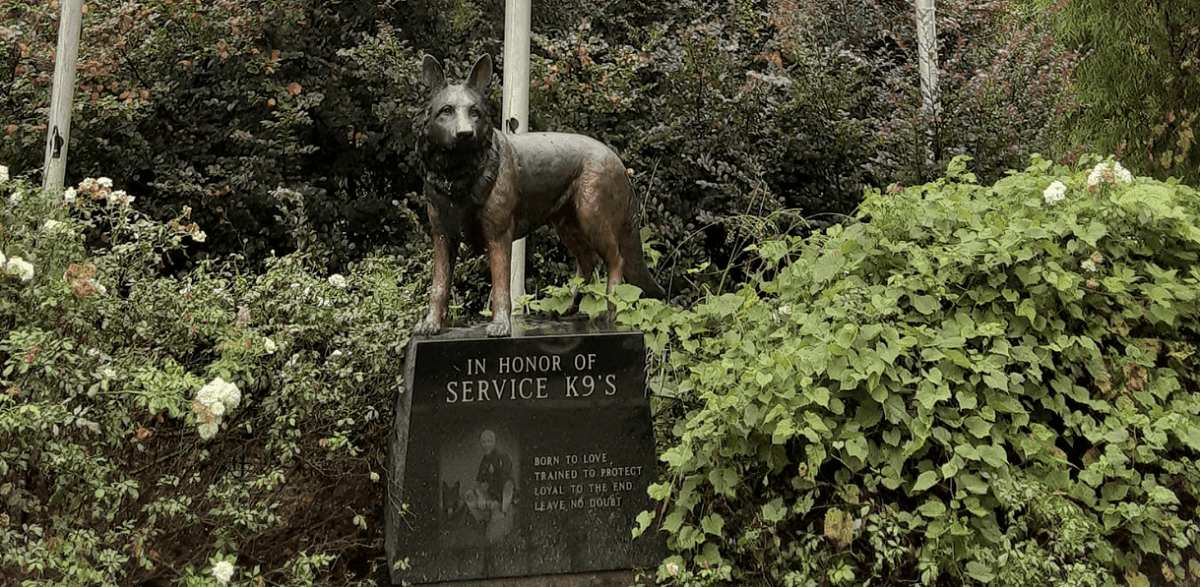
(465, 134)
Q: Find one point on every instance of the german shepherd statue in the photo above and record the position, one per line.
(486, 189)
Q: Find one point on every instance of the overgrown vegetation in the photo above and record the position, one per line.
(984, 379)
(125, 457)
(970, 384)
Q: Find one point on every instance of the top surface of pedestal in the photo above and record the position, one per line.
(529, 326)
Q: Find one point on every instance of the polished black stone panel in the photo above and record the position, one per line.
(522, 456)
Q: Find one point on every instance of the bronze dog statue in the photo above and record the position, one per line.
(487, 189)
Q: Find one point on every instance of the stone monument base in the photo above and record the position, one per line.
(522, 461)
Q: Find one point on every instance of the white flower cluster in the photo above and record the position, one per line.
(223, 571)
(3, 174)
(97, 189)
(1055, 192)
(336, 280)
(1110, 173)
(217, 398)
(119, 198)
(16, 267)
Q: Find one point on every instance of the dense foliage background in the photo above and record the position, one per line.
(245, 207)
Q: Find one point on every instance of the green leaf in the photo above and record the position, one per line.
(593, 306)
(1136, 579)
(933, 508)
(784, 431)
(1117, 436)
(1027, 309)
(929, 394)
(925, 304)
(723, 306)
(972, 483)
(763, 378)
(1162, 495)
(659, 491)
(774, 511)
(978, 427)
(819, 396)
(724, 480)
(993, 455)
(644, 519)
(627, 292)
(751, 415)
(980, 571)
(713, 524)
(857, 448)
(925, 481)
(1094, 232)
(673, 522)
(967, 451)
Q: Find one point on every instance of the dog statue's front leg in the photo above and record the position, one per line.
(499, 262)
(444, 250)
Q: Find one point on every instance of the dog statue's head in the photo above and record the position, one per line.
(458, 115)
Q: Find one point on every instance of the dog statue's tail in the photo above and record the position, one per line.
(636, 271)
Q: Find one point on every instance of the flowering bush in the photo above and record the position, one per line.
(223, 571)
(109, 366)
(1108, 173)
(212, 402)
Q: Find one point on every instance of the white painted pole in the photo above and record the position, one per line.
(928, 60)
(514, 107)
(62, 95)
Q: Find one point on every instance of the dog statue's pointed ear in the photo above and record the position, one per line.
(481, 72)
(431, 71)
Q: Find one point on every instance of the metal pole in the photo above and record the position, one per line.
(514, 107)
(927, 53)
(58, 131)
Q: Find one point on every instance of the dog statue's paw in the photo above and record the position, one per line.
(499, 328)
(426, 328)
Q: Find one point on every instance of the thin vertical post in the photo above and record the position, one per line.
(928, 60)
(62, 96)
(515, 106)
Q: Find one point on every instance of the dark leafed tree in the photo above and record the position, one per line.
(1140, 81)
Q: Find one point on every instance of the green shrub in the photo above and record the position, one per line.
(153, 429)
(971, 384)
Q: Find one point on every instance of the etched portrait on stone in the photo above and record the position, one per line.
(479, 492)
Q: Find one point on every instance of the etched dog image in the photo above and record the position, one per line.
(487, 189)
